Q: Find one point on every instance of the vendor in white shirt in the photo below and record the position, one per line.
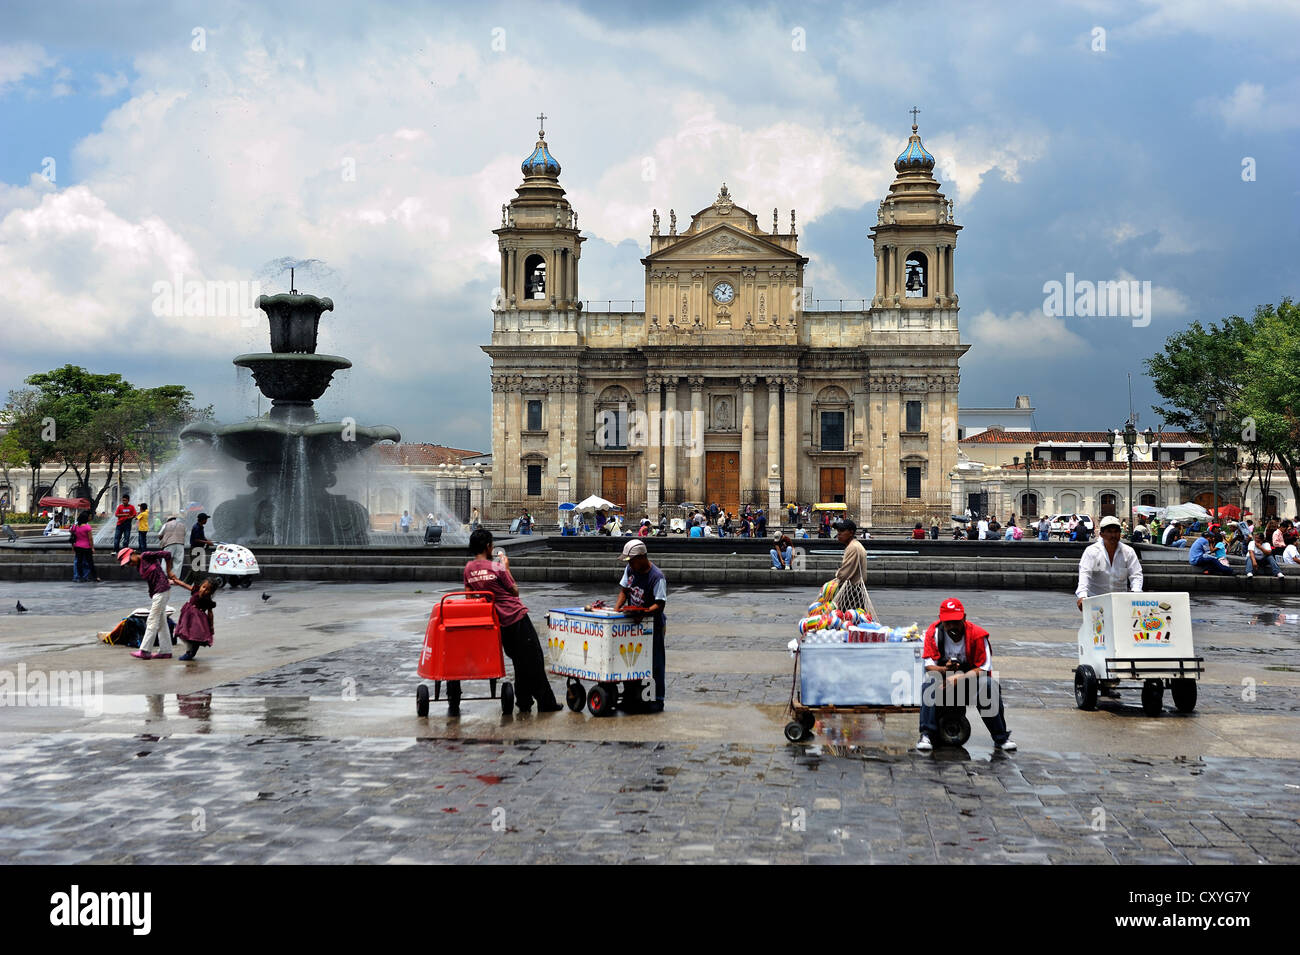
(1109, 565)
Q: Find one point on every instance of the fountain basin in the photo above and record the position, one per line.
(263, 439)
(292, 378)
(294, 320)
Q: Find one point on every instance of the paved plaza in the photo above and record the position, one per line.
(295, 739)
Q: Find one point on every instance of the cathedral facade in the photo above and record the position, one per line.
(726, 387)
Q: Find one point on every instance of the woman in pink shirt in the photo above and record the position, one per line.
(83, 551)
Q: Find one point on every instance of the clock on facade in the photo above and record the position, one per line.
(723, 293)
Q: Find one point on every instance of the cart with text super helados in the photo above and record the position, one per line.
(1136, 636)
(605, 647)
(847, 662)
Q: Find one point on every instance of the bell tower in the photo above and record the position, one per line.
(538, 237)
(915, 236)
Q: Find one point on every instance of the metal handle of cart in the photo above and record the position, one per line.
(468, 595)
(1137, 668)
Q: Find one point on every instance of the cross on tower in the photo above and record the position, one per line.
(914, 111)
(541, 127)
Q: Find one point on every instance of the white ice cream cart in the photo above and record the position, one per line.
(1135, 636)
(604, 647)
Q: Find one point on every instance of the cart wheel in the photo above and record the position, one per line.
(795, 732)
(1184, 694)
(245, 582)
(807, 720)
(453, 698)
(954, 730)
(217, 581)
(1085, 688)
(421, 700)
(1153, 692)
(507, 698)
(599, 702)
(575, 697)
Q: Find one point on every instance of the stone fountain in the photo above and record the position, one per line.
(291, 457)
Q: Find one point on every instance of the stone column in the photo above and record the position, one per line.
(510, 466)
(476, 493)
(671, 438)
(791, 467)
(864, 497)
(563, 486)
(880, 274)
(571, 387)
(653, 438)
(512, 280)
(573, 276)
(948, 273)
(696, 454)
(747, 476)
(652, 492)
(775, 511)
(774, 429)
(498, 439)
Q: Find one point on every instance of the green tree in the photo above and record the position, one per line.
(12, 457)
(1271, 392)
(96, 419)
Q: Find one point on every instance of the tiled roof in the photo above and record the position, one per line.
(1092, 466)
(1067, 437)
(421, 455)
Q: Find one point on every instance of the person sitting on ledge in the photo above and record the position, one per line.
(1202, 555)
(782, 553)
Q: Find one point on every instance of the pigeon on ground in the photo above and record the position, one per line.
(21, 608)
(266, 596)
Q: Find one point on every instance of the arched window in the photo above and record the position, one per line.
(535, 277)
(1109, 504)
(1147, 500)
(1029, 504)
(917, 279)
(831, 418)
(612, 408)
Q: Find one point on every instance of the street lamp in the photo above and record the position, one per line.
(1130, 440)
(1215, 418)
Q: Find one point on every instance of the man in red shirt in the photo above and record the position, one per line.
(518, 637)
(125, 514)
(956, 652)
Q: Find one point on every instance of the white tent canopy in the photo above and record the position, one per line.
(595, 503)
(1186, 511)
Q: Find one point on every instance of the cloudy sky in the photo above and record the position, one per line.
(1150, 141)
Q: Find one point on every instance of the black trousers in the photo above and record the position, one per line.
(520, 642)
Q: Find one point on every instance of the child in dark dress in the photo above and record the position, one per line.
(195, 628)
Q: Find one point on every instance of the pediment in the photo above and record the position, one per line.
(723, 240)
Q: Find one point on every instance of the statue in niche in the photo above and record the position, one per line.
(722, 413)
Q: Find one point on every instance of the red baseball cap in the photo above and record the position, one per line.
(951, 609)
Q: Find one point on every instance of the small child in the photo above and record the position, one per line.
(195, 628)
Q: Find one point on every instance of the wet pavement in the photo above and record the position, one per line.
(295, 739)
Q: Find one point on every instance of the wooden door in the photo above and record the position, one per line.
(1108, 505)
(832, 486)
(613, 486)
(722, 479)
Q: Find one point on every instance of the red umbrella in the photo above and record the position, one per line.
(1231, 511)
(74, 503)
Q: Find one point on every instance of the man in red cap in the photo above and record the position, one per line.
(956, 656)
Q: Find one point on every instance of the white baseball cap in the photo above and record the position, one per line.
(633, 548)
(1110, 521)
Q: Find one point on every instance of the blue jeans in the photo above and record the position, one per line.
(121, 536)
(1268, 561)
(81, 564)
(777, 558)
(658, 660)
(144, 536)
(983, 691)
(1042, 535)
(1213, 566)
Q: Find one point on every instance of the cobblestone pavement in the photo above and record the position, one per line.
(311, 799)
(251, 761)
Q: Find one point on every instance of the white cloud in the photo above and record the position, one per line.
(1022, 335)
(109, 85)
(21, 60)
(1254, 109)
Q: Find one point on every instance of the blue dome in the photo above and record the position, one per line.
(914, 156)
(540, 162)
